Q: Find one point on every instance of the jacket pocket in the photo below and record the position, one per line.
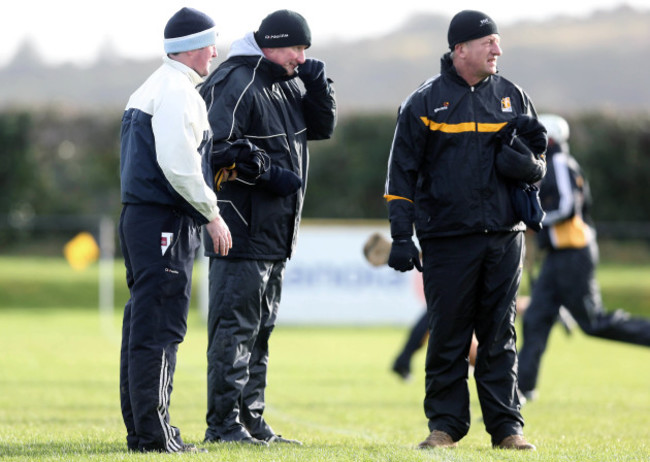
(235, 206)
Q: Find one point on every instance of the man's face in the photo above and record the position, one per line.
(200, 59)
(287, 57)
(481, 55)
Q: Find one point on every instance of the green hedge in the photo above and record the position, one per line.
(67, 164)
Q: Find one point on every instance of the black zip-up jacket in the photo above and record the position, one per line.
(441, 170)
(249, 97)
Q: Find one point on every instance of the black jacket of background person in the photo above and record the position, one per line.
(442, 160)
(249, 97)
(566, 198)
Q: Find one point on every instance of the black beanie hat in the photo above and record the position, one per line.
(189, 29)
(469, 25)
(283, 28)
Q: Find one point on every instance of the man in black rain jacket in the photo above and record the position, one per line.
(255, 103)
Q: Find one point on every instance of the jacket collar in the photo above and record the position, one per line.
(447, 68)
(191, 74)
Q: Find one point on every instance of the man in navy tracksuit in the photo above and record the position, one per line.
(449, 173)
(256, 106)
(568, 274)
(165, 203)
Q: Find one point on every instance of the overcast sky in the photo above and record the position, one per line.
(75, 30)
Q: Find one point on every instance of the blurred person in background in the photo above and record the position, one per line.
(165, 202)
(448, 176)
(568, 273)
(262, 120)
(376, 251)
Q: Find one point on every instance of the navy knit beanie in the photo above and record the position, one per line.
(189, 29)
(469, 25)
(283, 28)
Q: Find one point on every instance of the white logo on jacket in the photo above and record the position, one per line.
(166, 241)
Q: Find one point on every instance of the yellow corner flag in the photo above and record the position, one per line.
(81, 251)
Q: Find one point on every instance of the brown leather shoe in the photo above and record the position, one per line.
(515, 442)
(437, 439)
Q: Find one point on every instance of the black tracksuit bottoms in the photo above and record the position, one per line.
(159, 245)
(470, 284)
(244, 301)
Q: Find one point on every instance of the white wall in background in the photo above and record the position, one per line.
(329, 281)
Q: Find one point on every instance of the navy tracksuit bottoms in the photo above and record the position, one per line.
(159, 244)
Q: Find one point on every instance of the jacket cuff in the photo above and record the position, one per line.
(401, 213)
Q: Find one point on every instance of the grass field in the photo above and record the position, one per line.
(329, 387)
(45, 282)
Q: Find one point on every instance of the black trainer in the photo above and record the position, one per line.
(191, 448)
(245, 440)
(278, 439)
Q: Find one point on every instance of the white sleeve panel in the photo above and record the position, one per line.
(179, 125)
(566, 203)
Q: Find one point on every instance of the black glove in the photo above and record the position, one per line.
(529, 130)
(517, 162)
(248, 160)
(312, 74)
(404, 255)
(252, 165)
(280, 181)
(533, 133)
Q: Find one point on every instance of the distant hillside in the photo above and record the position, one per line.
(566, 65)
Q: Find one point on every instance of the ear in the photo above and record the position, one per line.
(268, 53)
(459, 48)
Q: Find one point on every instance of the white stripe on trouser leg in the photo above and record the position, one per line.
(170, 442)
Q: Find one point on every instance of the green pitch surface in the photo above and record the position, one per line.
(329, 387)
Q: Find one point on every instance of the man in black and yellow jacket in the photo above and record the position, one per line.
(455, 153)
(568, 274)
